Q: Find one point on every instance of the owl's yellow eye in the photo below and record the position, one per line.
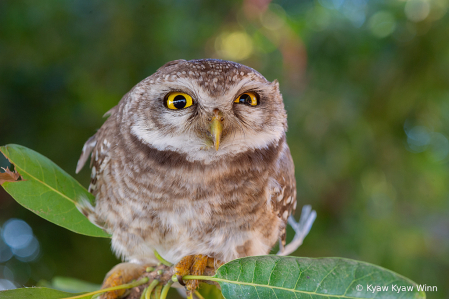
(248, 98)
(178, 100)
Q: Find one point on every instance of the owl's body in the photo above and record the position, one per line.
(159, 182)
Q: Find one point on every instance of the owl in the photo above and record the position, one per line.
(192, 163)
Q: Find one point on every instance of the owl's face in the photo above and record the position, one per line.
(205, 109)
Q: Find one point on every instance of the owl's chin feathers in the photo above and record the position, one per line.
(197, 149)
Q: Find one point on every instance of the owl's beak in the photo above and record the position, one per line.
(216, 127)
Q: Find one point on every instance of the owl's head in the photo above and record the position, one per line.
(206, 109)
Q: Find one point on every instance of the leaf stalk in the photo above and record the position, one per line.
(165, 289)
(120, 287)
(162, 260)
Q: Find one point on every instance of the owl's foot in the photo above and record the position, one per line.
(121, 274)
(194, 265)
(191, 265)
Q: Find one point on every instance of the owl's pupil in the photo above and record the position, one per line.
(245, 98)
(179, 102)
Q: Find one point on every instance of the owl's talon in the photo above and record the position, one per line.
(181, 282)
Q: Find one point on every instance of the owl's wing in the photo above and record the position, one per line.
(85, 152)
(83, 204)
(283, 195)
(97, 147)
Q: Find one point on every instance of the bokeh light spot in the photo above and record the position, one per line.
(273, 18)
(29, 253)
(418, 138)
(382, 24)
(17, 233)
(6, 285)
(417, 10)
(354, 10)
(438, 9)
(234, 46)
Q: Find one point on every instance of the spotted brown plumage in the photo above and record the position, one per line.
(161, 184)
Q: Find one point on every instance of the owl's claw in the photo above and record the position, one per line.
(121, 274)
(180, 281)
(301, 228)
(194, 265)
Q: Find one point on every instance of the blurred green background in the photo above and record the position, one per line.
(366, 88)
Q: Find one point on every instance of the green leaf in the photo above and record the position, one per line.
(209, 291)
(295, 277)
(35, 293)
(69, 284)
(48, 191)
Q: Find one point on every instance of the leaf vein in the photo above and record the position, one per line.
(272, 270)
(46, 185)
(274, 287)
(300, 273)
(319, 284)
(352, 282)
